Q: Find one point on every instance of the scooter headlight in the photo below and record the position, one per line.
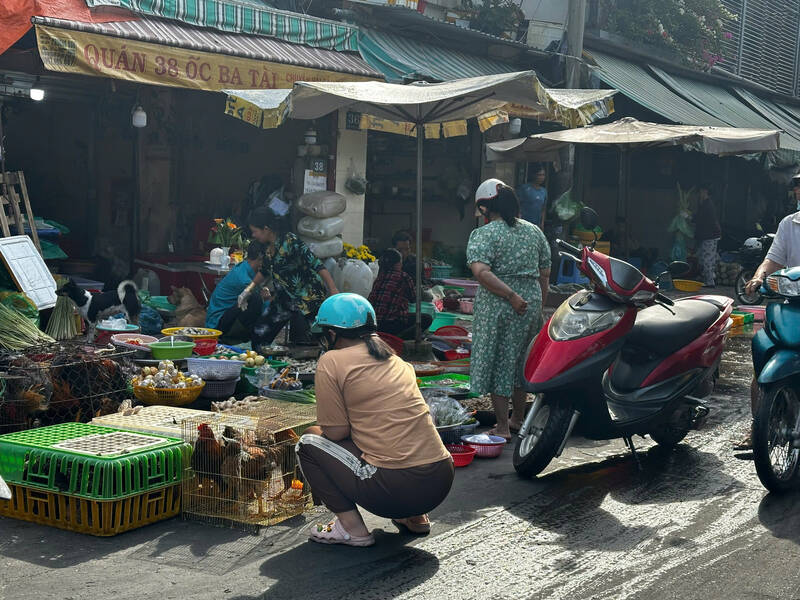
(783, 286)
(569, 324)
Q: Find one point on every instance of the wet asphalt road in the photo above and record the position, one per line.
(692, 523)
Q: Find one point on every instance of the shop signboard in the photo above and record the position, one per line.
(69, 51)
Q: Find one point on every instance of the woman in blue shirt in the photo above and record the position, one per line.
(223, 311)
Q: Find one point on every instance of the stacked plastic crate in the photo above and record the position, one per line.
(91, 479)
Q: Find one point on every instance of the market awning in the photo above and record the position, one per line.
(247, 17)
(720, 102)
(402, 59)
(636, 83)
(573, 108)
(771, 112)
(638, 134)
(168, 53)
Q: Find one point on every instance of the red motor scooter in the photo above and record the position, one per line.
(619, 361)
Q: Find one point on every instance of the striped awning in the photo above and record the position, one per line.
(242, 16)
(177, 35)
(403, 59)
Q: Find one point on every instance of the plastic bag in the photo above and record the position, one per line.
(374, 267)
(447, 411)
(22, 304)
(324, 248)
(322, 204)
(565, 207)
(356, 278)
(320, 229)
(150, 322)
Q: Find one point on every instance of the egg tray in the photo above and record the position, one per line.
(90, 461)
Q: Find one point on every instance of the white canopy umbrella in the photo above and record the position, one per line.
(422, 103)
(631, 133)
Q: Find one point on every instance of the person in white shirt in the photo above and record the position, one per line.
(785, 249)
(784, 252)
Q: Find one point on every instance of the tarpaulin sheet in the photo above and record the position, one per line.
(16, 15)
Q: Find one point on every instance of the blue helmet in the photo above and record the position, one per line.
(345, 311)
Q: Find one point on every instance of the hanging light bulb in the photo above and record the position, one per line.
(139, 117)
(36, 92)
(515, 126)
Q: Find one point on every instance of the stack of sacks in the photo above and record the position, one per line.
(322, 225)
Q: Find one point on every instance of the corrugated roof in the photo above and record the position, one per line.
(771, 112)
(246, 17)
(178, 35)
(636, 83)
(720, 102)
(402, 59)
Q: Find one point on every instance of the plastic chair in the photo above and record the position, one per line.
(568, 272)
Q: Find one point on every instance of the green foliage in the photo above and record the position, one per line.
(493, 16)
(694, 29)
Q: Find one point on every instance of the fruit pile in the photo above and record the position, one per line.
(250, 358)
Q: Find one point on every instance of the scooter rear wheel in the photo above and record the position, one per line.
(534, 452)
(774, 453)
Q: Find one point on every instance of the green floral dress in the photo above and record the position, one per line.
(294, 271)
(500, 336)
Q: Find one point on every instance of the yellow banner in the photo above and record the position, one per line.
(69, 51)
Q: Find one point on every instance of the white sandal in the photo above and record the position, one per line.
(334, 533)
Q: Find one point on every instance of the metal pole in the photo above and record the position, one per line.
(4, 189)
(575, 26)
(420, 140)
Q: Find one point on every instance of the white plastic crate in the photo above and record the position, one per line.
(214, 369)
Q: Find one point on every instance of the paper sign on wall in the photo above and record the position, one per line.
(314, 181)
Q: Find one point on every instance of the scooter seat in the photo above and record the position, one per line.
(662, 333)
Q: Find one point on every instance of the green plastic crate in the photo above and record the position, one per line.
(93, 462)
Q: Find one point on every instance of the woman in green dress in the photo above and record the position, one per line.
(510, 258)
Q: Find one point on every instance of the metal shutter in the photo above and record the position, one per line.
(770, 43)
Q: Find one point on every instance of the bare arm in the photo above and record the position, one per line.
(336, 433)
(765, 268)
(544, 283)
(483, 274)
(327, 279)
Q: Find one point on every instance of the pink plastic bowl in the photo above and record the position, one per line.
(487, 450)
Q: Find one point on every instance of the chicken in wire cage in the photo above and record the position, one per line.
(243, 472)
(59, 383)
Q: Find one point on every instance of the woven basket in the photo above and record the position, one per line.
(167, 396)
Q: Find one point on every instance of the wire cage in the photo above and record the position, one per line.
(245, 472)
(61, 383)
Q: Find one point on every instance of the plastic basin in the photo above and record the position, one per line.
(442, 320)
(462, 454)
(687, 285)
(171, 350)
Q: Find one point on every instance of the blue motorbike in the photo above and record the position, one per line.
(776, 359)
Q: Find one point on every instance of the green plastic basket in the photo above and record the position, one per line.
(89, 461)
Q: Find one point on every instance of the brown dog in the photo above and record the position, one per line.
(189, 312)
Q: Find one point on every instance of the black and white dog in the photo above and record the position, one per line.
(96, 307)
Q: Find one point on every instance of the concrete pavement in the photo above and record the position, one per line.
(692, 523)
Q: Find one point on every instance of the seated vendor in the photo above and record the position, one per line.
(223, 312)
(392, 291)
(375, 444)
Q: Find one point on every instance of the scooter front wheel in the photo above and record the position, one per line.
(776, 426)
(742, 279)
(534, 451)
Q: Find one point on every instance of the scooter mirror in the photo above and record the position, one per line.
(589, 218)
(678, 268)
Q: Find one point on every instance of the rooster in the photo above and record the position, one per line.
(207, 455)
(249, 464)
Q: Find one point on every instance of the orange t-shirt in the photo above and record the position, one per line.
(389, 419)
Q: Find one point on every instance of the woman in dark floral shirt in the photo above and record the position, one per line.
(299, 280)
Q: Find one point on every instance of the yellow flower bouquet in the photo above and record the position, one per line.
(361, 253)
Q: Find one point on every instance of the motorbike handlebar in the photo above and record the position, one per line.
(569, 247)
